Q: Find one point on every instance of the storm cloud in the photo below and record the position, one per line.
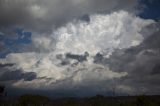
(79, 47)
(141, 62)
(42, 16)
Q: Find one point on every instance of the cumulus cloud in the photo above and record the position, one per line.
(103, 32)
(141, 62)
(79, 36)
(74, 54)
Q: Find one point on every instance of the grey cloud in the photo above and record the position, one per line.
(66, 58)
(42, 16)
(17, 75)
(7, 73)
(5, 65)
(85, 18)
(156, 69)
(141, 63)
(79, 58)
(148, 49)
(63, 60)
(98, 58)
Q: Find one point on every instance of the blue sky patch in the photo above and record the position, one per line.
(23, 38)
(151, 9)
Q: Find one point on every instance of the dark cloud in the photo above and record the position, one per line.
(65, 62)
(5, 65)
(156, 69)
(17, 75)
(141, 62)
(66, 58)
(9, 74)
(85, 18)
(79, 58)
(98, 58)
(42, 16)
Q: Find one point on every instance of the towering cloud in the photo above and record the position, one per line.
(79, 47)
(76, 55)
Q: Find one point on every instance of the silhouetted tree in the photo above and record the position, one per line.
(2, 88)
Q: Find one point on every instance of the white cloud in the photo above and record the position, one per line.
(112, 31)
(104, 33)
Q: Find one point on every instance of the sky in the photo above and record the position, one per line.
(61, 48)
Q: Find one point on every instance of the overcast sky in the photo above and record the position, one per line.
(80, 47)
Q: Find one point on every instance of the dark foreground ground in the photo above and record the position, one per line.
(36, 100)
